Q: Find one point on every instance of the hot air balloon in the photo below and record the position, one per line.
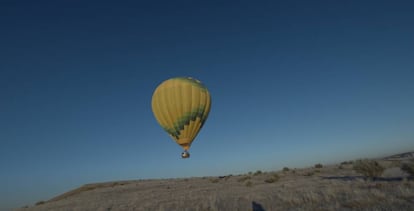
(181, 106)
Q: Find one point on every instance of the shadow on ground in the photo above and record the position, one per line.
(257, 207)
(351, 178)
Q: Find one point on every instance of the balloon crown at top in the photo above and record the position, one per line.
(191, 78)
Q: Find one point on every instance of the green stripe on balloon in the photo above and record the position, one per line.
(186, 120)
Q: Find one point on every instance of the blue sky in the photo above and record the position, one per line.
(292, 84)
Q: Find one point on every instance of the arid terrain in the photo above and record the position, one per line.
(333, 187)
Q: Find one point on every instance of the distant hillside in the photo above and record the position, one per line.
(401, 156)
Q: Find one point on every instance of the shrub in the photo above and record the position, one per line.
(273, 179)
(347, 162)
(286, 169)
(408, 167)
(39, 203)
(318, 165)
(257, 173)
(369, 168)
(270, 180)
(214, 180)
(249, 184)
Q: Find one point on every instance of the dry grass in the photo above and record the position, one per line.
(244, 178)
(369, 168)
(330, 189)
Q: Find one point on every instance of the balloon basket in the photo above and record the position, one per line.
(185, 154)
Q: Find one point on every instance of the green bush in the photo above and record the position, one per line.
(369, 168)
(286, 169)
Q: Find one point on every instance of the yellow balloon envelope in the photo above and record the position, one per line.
(181, 106)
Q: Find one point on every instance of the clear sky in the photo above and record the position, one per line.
(292, 84)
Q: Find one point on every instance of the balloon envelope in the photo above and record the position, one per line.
(181, 106)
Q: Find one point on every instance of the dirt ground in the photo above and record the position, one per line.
(335, 187)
